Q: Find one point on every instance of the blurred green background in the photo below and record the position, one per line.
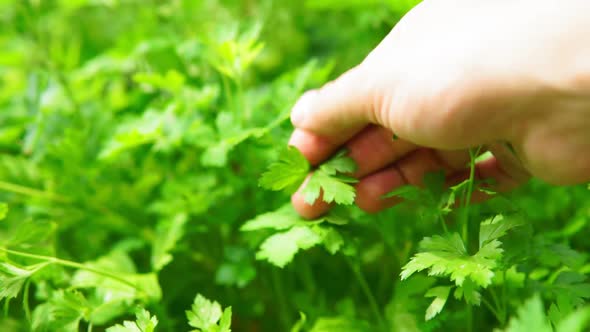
(132, 136)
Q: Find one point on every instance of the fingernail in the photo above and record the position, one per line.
(300, 109)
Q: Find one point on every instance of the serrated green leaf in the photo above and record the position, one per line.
(468, 292)
(331, 238)
(332, 189)
(531, 317)
(340, 324)
(447, 256)
(144, 322)
(146, 285)
(287, 173)
(283, 218)
(13, 278)
(338, 164)
(496, 227)
(207, 316)
(331, 182)
(63, 312)
(204, 313)
(168, 233)
(225, 321)
(280, 248)
(575, 322)
(440, 294)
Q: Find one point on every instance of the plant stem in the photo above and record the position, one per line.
(368, 294)
(27, 191)
(26, 307)
(469, 318)
(504, 299)
(280, 294)
(6, 307)
(62, 262)
(467, 201)
(443, 223)
(500, 309)
(491, 308)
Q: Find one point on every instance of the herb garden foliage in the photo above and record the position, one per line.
(134, 136)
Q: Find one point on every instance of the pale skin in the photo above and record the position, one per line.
(455, 75)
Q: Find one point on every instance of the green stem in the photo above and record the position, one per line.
(228, 93)
(6, 307)
(368, 294)
(467, 196)
(469, 318)
(27, 191)
(280, 294)
(62, 262)
(504, 298)
(26, 307)
(443, 223)
(500, 309)
(492, 309)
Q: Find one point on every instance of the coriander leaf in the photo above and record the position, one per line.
(468, 292)
(531, 317)
(571, 290)
(146, 286)
(333, 189)
(144, 323)
(283, 218)
(447, 256)
(168, 233)
(280, 248)
(63, 312)
(495, 227)
(12, 278)
(339, 163)
(225, 322)
(331, 238)
(204, 313)
(207, 316)
(133, 133)
(287, 173)
(330, 181)
(440, 294)
(311, 191)
(577, 321)
(340, 324)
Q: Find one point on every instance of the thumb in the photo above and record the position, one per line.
(340, 108)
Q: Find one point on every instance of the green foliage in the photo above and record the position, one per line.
(447, 256)
(286, 174)
(13, 278)
(330, 181)
(531, 317)
(3, 210)
(144, 323)
(297, 234)
(207, 316)
(344, 324)
(134, 138)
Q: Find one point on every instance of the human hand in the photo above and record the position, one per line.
(454, 75)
